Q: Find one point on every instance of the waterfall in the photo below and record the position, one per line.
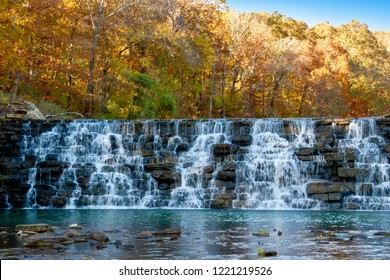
(271, 176)
(31, 199)
(194, 191)
(219, 163)
(373, 167)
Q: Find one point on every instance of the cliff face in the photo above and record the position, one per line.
(304, 163)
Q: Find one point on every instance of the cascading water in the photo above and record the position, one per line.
(26, 149)
(371, 165)
(96, 168)
(119, 164)
(254, 163)
(194, 191)
(271, 176)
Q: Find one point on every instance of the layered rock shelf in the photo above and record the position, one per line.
(325, 163)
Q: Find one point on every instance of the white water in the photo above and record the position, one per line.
(96, 147)
(192, 192)
(105, 164)
(271, 176)
(375, 167)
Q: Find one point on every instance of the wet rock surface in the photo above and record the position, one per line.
(161, 159)
(234, 242)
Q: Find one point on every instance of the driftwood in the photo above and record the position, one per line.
(64, 114)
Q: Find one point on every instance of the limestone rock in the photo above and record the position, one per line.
(99, 236)
(329, 187)
(227, 176)
(352, 173)
(47, 241)
(170, 232)
(224, 149)
(58, 202)
(223, 201)
(325, 138)
(242, 140)
(40, 228)
(21, 110)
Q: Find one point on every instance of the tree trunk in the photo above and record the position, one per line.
(212, 91)
(90, 87)
(223, 86)
(303, 97)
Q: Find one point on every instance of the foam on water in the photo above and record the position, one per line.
(152, 164)
(373, 182)
(271, 176)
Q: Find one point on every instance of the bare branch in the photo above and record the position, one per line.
(90, 14)
(122, 8)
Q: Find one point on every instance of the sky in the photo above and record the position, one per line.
(374, 13)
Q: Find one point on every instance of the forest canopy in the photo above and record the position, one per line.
(132, 59)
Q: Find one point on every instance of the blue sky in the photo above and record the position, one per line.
(375, 13)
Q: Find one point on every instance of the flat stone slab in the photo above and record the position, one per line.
(329, 187)
(40, 228)
(48, 241)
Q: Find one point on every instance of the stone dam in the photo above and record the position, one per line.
(217, 163)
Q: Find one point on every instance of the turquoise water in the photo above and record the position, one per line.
(218, 234)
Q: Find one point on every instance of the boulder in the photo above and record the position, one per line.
(40, 228)
(21, 110)
(98, 236)
(264, 253)
(49, 241)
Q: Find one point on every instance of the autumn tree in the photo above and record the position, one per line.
(177, 58)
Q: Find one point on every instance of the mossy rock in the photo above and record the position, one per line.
(262, 233)
(262, 253)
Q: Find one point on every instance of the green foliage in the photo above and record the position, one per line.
(49, 108)
(4, 98)
(146, 98)
(260, 252)
(283, 27)
(141, 80)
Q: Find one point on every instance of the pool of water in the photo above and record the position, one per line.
(213, 234)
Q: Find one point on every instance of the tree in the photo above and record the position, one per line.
(100, 14)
